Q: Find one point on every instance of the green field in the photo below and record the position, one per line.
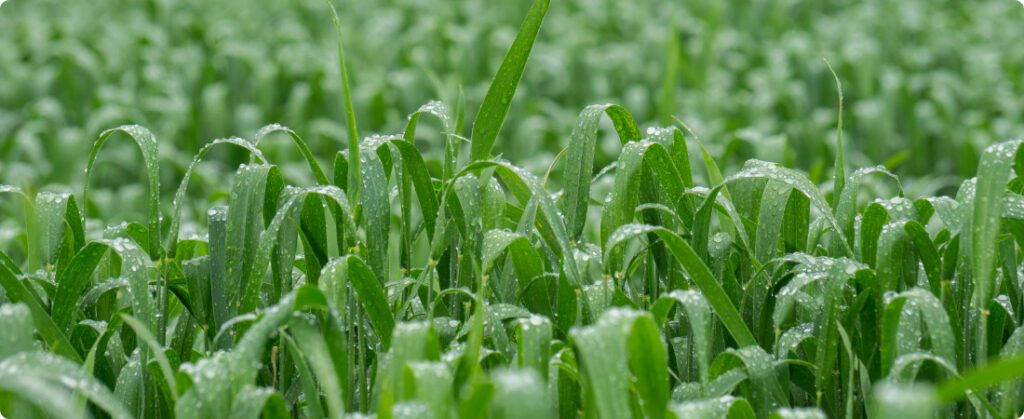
(511, 209)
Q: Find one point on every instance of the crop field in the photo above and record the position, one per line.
(511, 209)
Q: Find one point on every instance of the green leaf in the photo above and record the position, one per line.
(48, 330)
(520, 394)
(493, 110)
(39, 378)
(371, 296)
(16, 322)
(353, 183)
(579, 163)
(529, 267)
(648, 359)
(179, 195)
(699, 273)
(151, 158)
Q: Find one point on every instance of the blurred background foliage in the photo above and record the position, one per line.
(927, 83)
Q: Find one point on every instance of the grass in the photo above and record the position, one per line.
(407, 281)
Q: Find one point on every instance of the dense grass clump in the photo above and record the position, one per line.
(929, 83)
(398, 281)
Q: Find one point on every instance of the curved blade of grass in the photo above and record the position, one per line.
(698, 316)
(846, 204)
(314, 166)
(23, 373)
(143, 333)
(151, 158)
(621, 207)
(935, 317)
(48, 330)
(699, 273)
(179, 195)
(981, 378)
(493, 110)
(755, 169)
(528, 264)
(412, 163)
(579, 164)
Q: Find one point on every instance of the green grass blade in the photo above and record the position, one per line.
(493, 110)
(993, 173)
(151, 158)
(579, 163)
(529, 267)
(48, 330)
(179, 195)
(648, 359)
(314, 348)
(314, 166)
(143, 333)
(350, 114)
(520, 394)
(372, 298)
(16, 322)
(979, 379)
(37, 374)
(699, 272)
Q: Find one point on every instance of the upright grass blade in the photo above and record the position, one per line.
(533, 344)
(579, 163)
(350, 114)
(311, 342)
(16, 322)
(151, 158)
(839, 178)
(648, 360)
(493, 110)
(699, 273)
(376, 206)
(993, 173)
(17, 292)
(520, 394)
(529, 267)
(371, 295)
(143, 333)
(603, 355)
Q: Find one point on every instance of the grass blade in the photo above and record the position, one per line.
(493, 110)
